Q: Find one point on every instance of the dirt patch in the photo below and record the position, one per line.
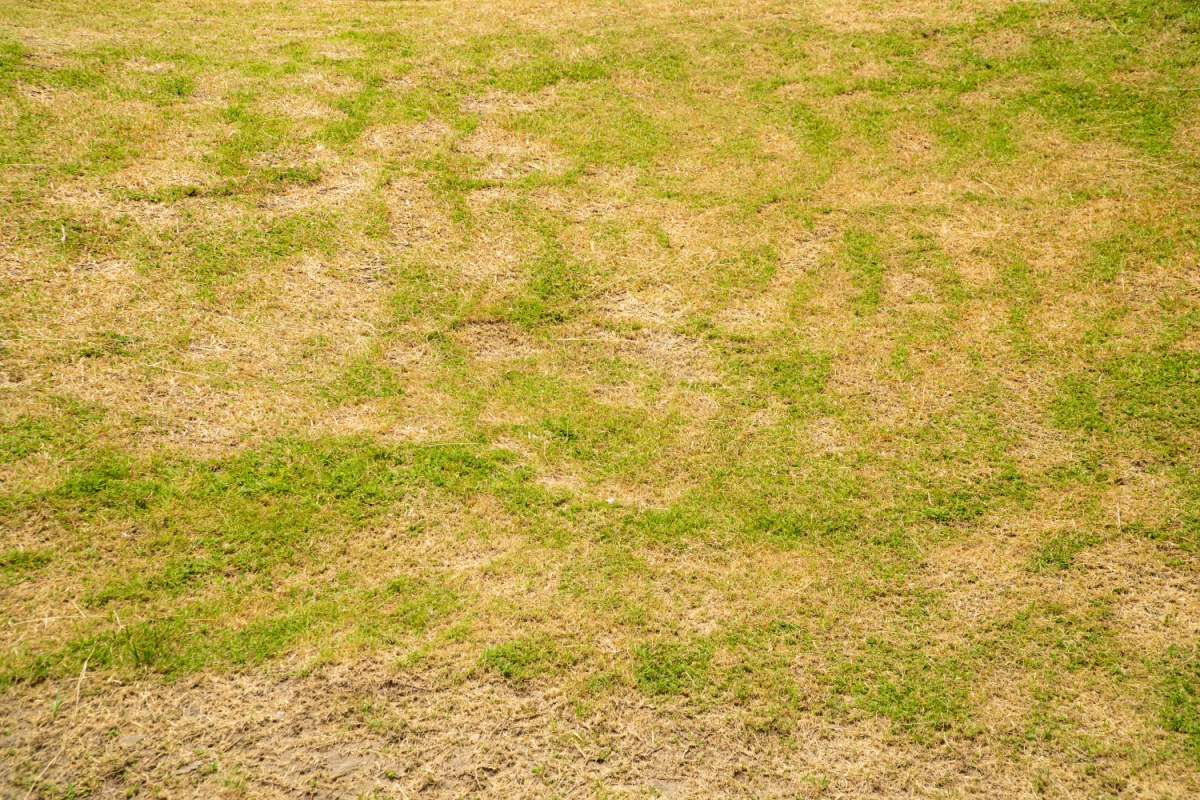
(507, 154)
(355, 730)
(682, 357)
(497, 342)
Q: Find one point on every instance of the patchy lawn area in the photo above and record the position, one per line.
(418, 398)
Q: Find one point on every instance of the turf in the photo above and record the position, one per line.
(814, 388)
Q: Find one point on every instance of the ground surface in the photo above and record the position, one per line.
(599, 399)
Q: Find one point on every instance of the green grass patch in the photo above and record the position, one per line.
(256, 513)
(16, 564)
(522, 659)
(862, 256)
(365, 378)
(1179, 689)
(1059, 551)
(922, 693)
(671, 668)
(65, 427)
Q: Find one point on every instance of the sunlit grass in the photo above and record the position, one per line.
(761, 347)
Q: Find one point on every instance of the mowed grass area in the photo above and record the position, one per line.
(827, 364)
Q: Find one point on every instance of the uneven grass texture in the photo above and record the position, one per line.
(599, 399)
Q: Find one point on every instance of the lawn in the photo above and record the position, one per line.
(417, 398)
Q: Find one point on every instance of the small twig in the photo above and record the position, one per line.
(446, 444)
(51, 338)
(36, 780)
(43, 620)
(985, 183)
(1107, 126)
(1149, 164)
(177, 371)
(79, 683)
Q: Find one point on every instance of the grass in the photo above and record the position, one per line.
(670, 668)
(1180, 709)
(836, 368)
(521, 659)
